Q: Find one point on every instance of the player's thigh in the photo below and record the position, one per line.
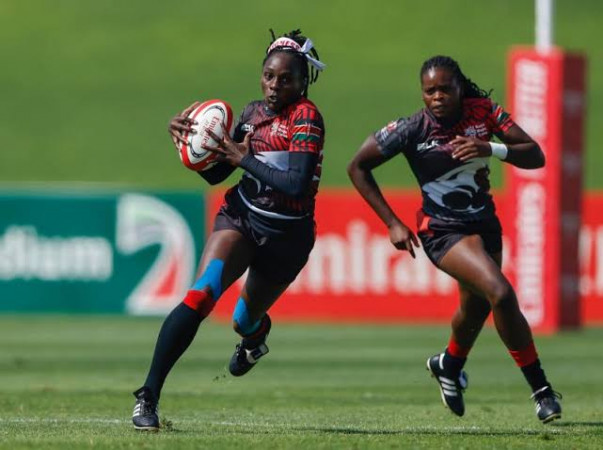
(233, 249)
(275, 265)
(470, 264)
(269, 276)
(469, 300)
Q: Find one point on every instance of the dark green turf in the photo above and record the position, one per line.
(87, 88)
(66, 382)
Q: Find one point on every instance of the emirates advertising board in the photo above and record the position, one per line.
(136, 253)
(98, 252)
(354, 274)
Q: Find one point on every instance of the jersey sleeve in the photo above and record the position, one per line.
(307, 130)
(294, 181)
(394, 137)
(239, 133)
(217, 173)
(499, 119)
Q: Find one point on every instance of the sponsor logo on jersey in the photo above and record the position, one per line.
(247, 127)
(476, 130)
(279, 129)
(424, 146)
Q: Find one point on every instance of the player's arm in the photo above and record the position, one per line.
(307, 137)
(294, 181)
(360, 172)
(522, 150)
(217, 173)
(518, 148)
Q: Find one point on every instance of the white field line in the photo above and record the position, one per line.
(309, 429)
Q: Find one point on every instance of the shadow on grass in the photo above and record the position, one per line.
(579, 424)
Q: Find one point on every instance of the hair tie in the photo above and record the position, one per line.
(284, 42)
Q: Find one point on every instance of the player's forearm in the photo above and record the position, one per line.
(217, 173)
(294, 181)
(525, 155)
(365, 184)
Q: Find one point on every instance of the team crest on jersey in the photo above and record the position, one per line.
(391, 126)
(476, 130)
(388, 129)
(279, 129)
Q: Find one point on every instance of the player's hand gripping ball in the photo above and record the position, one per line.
(213, 115)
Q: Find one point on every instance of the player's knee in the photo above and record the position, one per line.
(500, 294)
(477, 310)
(211, 279)
(242, 322)
(200, 301)
(206, 291)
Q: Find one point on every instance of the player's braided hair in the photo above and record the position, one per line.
(470, 89)
(309, 73)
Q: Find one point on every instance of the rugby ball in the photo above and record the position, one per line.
(208, 115)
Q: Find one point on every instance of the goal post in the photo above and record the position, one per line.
(546, 95)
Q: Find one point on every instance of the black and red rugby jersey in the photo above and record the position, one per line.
(451, 189)
(297, 128)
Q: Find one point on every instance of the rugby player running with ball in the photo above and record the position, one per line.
(266, 223)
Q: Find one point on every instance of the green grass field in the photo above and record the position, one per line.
(87, 88)
(66, 382)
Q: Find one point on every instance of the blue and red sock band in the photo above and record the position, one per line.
(240, 316)
(206, 291)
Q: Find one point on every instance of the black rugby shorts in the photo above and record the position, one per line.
(438, 236)
(282, 246)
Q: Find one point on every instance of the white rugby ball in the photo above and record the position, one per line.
(208, 115)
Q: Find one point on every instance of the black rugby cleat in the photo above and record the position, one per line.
(146, 410)
(250, 350)
(451, 386)
(548, 407)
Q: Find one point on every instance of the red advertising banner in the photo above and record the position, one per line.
(354, 273)
(546, 98)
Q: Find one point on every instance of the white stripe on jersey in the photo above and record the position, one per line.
(262, 212)
(277, 160)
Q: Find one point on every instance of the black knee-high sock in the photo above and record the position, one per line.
(177, 333)
(453, 363)
(535, 376)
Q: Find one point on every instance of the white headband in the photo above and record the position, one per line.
(305, 49)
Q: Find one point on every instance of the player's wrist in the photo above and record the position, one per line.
(246, 160)
(393, 222)
(499, 150)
